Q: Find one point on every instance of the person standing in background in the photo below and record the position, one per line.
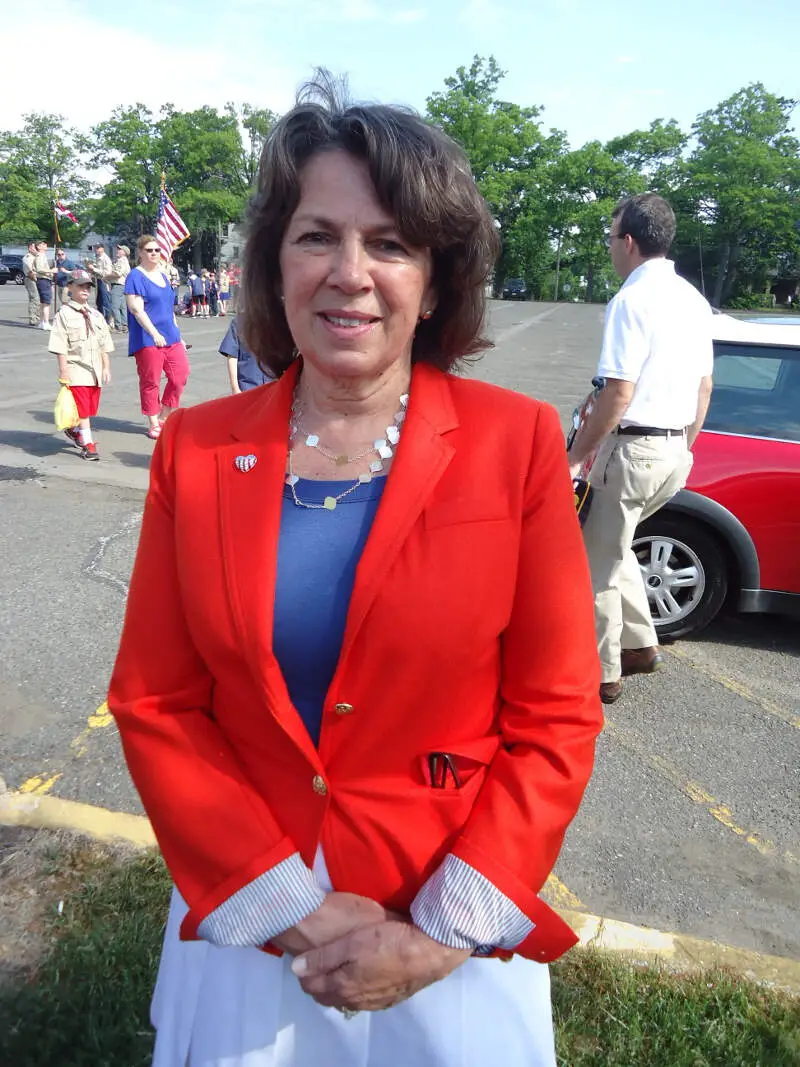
(234, 273)
(103, 270)
(64, 269)
(44, 283)
(213, 295)
(29, 274)
(657, 360)
(173, 277)
(120, 271)
(198, 291)
(224, 289)
(243, 370)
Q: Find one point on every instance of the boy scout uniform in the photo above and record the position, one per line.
(29, 274)
(82, 335)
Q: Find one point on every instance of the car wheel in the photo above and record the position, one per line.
(18, 279)
(3, 281)
(685, 573)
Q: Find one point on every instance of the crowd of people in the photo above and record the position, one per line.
(364, 712)
(208, 292)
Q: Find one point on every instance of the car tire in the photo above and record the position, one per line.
(3, 281)
(685, 571)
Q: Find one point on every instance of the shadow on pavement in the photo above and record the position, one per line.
(775, 633)
(19, 325)
(100, 423)
(38, 444)
(132, 459)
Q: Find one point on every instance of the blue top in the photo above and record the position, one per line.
(197, 286)
(318, 552)
(248, 372)
(63, 270)
(159, 303)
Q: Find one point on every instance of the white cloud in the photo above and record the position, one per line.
(110, 66)
(481, 15)
(409, 16)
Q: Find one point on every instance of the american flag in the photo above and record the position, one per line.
(170, 228)
(63, 212)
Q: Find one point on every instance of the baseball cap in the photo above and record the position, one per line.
(81, 277)
(124, 248)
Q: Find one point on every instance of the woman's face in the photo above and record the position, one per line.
(353, 288)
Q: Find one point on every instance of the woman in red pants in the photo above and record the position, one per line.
(153, 336)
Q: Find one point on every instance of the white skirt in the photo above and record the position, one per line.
(239, 1007)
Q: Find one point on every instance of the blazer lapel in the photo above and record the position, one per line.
(422, 458)
(250, 508)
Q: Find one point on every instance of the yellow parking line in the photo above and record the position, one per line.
(39, 784)
(717, 810)
(559, 896)
(738, 688)
(98, 721)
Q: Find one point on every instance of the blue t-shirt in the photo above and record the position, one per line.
(318, 552)
(197, 286)
(159, 303)
(248, 372)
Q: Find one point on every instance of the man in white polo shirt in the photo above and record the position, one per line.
(657, 361)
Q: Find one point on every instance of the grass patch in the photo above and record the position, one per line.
(611, 1013)
(86, 1003)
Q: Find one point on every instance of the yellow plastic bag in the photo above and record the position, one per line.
(65, 411)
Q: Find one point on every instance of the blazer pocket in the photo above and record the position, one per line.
(470, 759)
(452, 512)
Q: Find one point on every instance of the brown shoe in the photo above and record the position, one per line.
(642, 660)
(610, 691)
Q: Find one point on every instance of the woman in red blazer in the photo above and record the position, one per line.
(363, 713)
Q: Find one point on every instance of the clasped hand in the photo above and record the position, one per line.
(353, 954)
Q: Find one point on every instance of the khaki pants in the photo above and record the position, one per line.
(34, 305)
(632, 478)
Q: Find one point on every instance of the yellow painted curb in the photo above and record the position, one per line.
(639, 943)
(53, 813)
(679, 952)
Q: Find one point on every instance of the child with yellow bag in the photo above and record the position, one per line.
(81, 340)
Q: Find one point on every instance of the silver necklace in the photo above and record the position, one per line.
(381, 448)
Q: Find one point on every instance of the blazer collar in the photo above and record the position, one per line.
(251, 503)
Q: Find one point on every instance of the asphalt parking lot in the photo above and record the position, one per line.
(690, 821)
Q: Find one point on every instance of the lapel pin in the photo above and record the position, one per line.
(245, 463)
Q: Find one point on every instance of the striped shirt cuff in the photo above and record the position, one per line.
(275, 901)
(460, 908)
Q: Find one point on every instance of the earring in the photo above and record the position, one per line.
(426, 314)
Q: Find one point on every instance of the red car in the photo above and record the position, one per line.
(733, 534)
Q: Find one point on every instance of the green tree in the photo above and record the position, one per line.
(507, 150)
(586, 185)
(745, 177)
(255, 126)
(39, 164)
(128, 145)
(202, 152)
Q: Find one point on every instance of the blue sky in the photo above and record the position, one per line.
(599, 69)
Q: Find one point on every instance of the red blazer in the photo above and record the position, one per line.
(470, 631)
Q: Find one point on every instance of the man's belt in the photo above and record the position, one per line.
(649, 431)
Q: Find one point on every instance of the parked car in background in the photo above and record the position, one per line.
(515, 289)
(14, 264)
(5, 273)
(732, 535)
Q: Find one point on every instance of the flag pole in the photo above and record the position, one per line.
(55, 257)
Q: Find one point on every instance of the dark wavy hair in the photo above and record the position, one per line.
(421, 178)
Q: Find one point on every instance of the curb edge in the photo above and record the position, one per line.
(639, 943)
